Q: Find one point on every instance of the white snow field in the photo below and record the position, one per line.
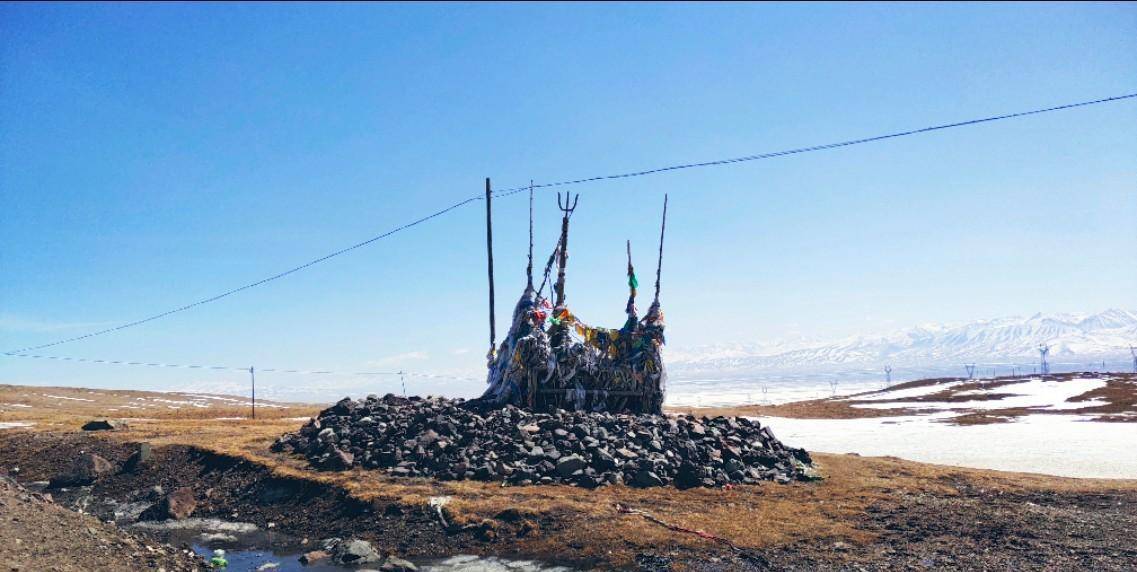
(1033, 392)
(1062, 445)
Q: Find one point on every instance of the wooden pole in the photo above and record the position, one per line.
(659, 265)
(529, 268)
(489, 258)
(253, 381)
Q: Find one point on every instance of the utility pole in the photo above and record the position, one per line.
(489, 263)
(253, 381)
(403, 382)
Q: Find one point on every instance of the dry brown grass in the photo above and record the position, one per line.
(70, 407)
(758, 517)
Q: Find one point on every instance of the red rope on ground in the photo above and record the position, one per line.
(701, 533)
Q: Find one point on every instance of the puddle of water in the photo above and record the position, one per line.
(467, 563)
(252, 560)
(249, 548)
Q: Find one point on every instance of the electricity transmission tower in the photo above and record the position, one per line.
(1133, 351)
(1043, 365)
(888, 376)
(970, 370)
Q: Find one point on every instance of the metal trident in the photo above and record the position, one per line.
(566, 207)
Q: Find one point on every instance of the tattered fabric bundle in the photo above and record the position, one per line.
(551, 359)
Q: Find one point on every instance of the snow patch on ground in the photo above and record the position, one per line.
(1062, 445)
(23, 405)
(1032, 392)
(909, 393)
(69, 398)
(14, 424)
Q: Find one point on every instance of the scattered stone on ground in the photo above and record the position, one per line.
(138, 458)
(86, 469)
(439, 437)
(313, 556)
(178, 505)
(351, 552)
(105, 425)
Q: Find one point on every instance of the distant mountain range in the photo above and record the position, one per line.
(1071, 337)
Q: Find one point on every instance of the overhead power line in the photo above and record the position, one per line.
(507, 192)
(229, 368)
(251, 284)
(799, 150)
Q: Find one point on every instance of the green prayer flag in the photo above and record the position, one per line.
(632, 282)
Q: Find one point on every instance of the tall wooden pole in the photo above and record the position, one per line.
(489, 259)
(253, 381)
(529, 268)
(659, 265)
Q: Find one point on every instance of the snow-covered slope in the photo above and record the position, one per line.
(1072, 337)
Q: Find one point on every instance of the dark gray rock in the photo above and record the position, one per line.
(177, 505)
(444, 439)
(569, 465)
(84, 471)
(105, 425)
(353, 552)
(395, 564)
(138, 459)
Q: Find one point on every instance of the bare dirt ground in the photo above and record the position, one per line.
(36, 534)
(867, 514)
(1119, 396)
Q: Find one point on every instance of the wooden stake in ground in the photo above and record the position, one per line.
(253, 381)
(489, 262)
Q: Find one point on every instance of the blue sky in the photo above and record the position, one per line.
(153, 155)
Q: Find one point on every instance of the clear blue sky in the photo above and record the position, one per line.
(153, 155)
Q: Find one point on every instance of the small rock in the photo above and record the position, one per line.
(569, 465)
(647, 479)
(396, 564)
(177, 505)
(84, 471)
(355, 551)
(105, 425)
(314, 556)
(138, 458)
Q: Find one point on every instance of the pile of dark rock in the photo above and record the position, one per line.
(447, 439)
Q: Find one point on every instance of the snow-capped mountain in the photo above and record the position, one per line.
(1071, 337)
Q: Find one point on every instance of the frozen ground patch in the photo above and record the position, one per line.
(69, 398)
(1033, 392)
(1062, 445)
(909, 393)
(14, 424)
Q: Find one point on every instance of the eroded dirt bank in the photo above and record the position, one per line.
(869, 514)
(38, 534)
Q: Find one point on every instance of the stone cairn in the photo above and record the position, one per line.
(447, 439)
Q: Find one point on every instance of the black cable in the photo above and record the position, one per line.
(231, 368)
(250, 285)
(507, 192)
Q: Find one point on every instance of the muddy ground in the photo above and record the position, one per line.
(38, 534)
(869, 514)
